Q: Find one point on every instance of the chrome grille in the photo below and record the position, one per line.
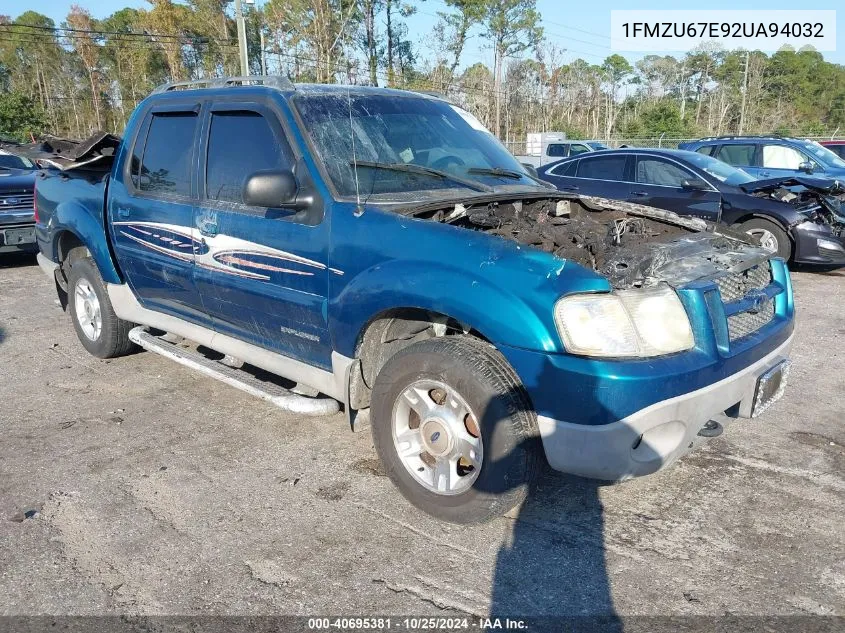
(746, 323)
(735, 286)
(15, 201)
(738, 286)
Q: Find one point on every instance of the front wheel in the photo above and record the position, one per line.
(98, 328)
(770, 235)
(455, 430)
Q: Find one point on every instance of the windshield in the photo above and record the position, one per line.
(719, 170)
(823, 154)
(396, 131)
(10, 161)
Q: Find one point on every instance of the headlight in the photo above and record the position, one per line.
(627, 323)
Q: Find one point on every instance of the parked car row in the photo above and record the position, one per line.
(798, 217)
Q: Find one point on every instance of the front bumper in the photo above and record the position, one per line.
(652, 438)
(17, 237)
(817, 244)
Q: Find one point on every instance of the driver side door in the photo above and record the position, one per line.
(261, 272)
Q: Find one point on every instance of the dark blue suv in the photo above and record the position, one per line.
(765, 157)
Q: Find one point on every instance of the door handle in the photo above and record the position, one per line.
(765, 173)
(569, 187)
(641, 194)
(123, 213)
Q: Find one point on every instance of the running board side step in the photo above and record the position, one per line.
(274, 394)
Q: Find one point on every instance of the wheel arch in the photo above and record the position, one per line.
(391, 330)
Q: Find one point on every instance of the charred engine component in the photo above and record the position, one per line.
(631, 245)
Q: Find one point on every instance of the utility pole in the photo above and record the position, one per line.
(744, 91)
(239, 19)
(263, 55)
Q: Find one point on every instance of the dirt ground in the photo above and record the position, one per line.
(137, 486)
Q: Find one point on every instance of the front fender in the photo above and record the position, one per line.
(76, 218)
(499, 315)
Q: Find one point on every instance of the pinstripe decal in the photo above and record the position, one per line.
(222, 253)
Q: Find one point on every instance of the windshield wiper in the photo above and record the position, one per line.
(425, 171)
(508, 173)
(496, 171)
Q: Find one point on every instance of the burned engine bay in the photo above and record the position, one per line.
(632, 245)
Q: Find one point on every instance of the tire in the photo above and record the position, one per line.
(478, 379)
(111, 338)
(760, 228)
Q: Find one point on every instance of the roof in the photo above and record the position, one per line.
(277, 83)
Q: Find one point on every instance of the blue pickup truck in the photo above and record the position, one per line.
(17, 216)
(383, 249)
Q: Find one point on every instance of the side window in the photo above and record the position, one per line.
(240, 143)
(782, 157)
(566, 169)
(603, 168)
(574, 150)
(707, 150)
(558, 149)
(653, 171)
(739, 155)
(165, 165)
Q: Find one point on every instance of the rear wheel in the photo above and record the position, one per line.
(771, 236)
(98, 328)
(455, 430)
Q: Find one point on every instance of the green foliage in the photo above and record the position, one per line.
(662, 118)
(20, 117)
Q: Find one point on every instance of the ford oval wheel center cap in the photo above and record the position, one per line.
(436, 437)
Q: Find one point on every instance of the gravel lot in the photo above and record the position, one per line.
(159, 491)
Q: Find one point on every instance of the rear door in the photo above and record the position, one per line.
(659, 183)
(151, 211)
(604, 175)
(741, 155)
(262, 272)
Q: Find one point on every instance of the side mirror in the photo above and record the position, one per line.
(271, 188)
(695, 184)
(806, 167)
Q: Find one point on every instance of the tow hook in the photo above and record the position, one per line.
(711, 429)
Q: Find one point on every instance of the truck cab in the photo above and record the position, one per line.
(548, 147)
(383, 249)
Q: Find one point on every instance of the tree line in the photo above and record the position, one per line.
(85, 74)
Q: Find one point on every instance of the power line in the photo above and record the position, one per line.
(94, 32)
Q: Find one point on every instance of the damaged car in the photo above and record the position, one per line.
(385, 252)
(798, 218)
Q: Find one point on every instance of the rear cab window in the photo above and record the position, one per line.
(557, 149)
(161, 165)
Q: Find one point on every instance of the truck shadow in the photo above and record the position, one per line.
(552, 570)
(17, 260)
